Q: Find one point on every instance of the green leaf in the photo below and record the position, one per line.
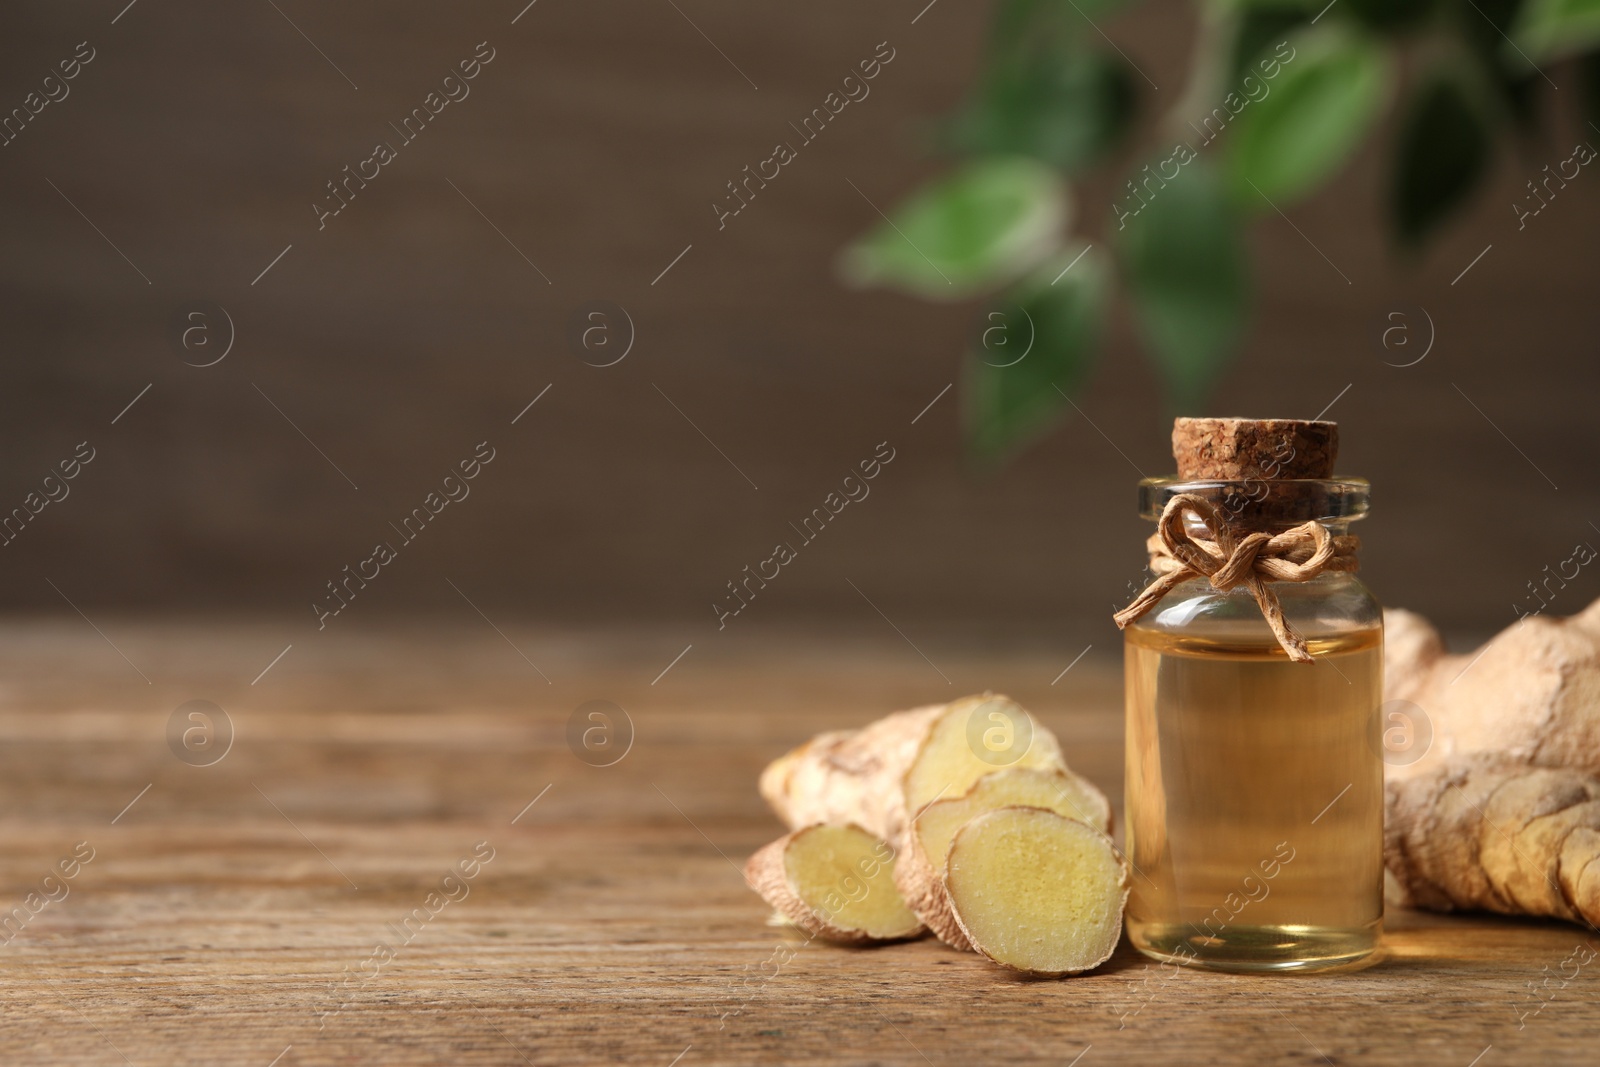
(978, 228)
(1184, 260)
(1256, 31)
(1048, 88)
(1036, 342)
(1555, 29)
(1065, 106)
(1443, 154)
(1317, 109)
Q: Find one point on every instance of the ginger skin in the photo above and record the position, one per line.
(1502, 812)
(850, 775)
(1491, 834)
(1533, 693)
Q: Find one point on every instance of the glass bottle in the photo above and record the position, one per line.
(1255, 783)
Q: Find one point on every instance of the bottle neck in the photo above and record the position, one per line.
(1269, 505)
(1259, 524)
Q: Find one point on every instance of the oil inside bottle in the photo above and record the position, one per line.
(1255, 800)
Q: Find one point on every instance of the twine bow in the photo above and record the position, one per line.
(1229, 560)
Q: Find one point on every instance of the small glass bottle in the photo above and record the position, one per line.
(1255, 783)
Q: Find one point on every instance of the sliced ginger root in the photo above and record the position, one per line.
(1037, 891)
(943, 766)
(948, 761)
(919, 872)
(834, 881)
(880, 776)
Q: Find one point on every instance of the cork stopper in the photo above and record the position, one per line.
(1241, 449)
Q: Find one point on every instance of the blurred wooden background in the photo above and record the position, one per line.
(596, 140)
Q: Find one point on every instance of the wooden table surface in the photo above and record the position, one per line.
(230, 913)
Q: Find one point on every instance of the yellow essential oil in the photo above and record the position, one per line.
(1255, 801)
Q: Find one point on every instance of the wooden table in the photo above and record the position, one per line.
(230, 912)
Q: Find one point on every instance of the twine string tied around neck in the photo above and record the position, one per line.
(1231, 557)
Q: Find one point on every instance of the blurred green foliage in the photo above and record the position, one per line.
(1035, 346)
(1183, 259)
(1281, 95)
(981, 225)
(1310, 119)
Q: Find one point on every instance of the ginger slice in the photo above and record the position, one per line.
(1037, 891)
(970, 738)
(881, 775)
(919, 872)
(834, 881)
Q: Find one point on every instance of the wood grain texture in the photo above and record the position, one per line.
(223, 909)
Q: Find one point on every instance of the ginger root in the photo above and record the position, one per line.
(850, 775)
(880, 775)
(920, 871)
(1037, 891)
(1489, 833)
(835, 882)
(1532, 693)
(1502, 812)
(947, 765)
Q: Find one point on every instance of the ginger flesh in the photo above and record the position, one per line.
(881, 775)
(835, 881)
(1037, 891)
(1061, 792)
(920, 872)
(948, 764)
